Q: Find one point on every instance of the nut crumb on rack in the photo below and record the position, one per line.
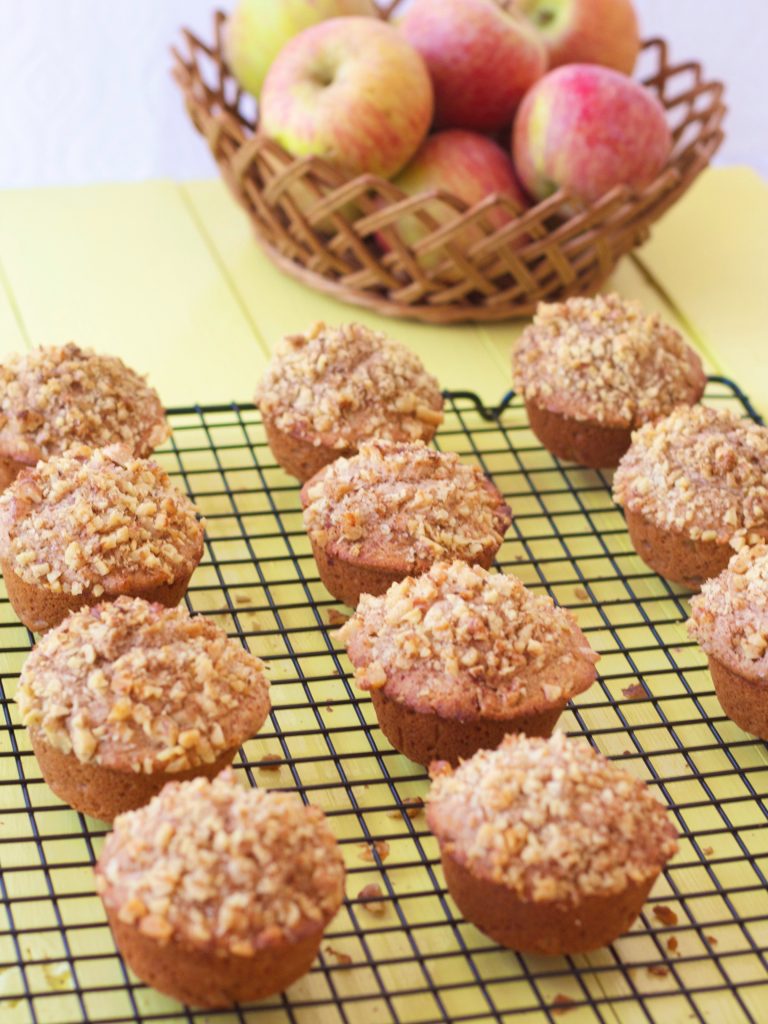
(54, 397)
(700, 471)
(337, 385)
(372, 899)
(603, 358)
(377, 847)
(135, 686)
(665, 915)
(84, 520)
(406, 501)
(729, 618)
(550, 819)
(220, 866)
(460, 639)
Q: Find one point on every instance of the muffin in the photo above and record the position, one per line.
(218, 894)
(124, 697)
(326, 391)
(459, 657)
(92, 524)
(592, 370)
(53, 398)
(547, 846)
(729, 618)
(693, 487)
(393, 510)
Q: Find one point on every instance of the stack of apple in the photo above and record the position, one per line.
(469, 97)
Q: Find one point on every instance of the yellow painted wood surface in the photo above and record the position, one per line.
(169, 277)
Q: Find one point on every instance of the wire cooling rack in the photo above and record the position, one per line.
(698, 951)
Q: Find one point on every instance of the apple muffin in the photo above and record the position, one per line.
(89, 525)
(393, 510)
(217, 894)
(592, 370)
(458, 657)
(546, 845)
(729, 618)
(123, 697)
(55, 397)
(694, 487)
(328, 390)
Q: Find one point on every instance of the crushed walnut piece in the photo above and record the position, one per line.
(729, 618)
(52, 398)
(90, 519)
(551, 819)
(336, 386)
(135, 686)
(460, 640)
(700, 471)
(219, 866)
(405, 502)
(605, 359)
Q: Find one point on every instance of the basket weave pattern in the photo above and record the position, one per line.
(337, 233)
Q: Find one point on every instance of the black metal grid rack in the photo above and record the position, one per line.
(699, 950)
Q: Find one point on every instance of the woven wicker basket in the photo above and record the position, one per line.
(324, 227)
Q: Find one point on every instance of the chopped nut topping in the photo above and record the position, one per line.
(700, 471)
(52, 398)
(550, 819)
(219, 866)
(135, 686)
(405, 502)
(338, 386)
(91, 518)
(460, 640)
(604, 359)
(729, 618)
(665, 914)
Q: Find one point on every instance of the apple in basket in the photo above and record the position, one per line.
(468, 166)
(586, 31)
(352, 90)
(257, 30)
(587, 128)
(482, 59)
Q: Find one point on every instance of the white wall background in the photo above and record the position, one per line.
(85, 93)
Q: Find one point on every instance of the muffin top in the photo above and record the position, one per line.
(135, 686)
(460, 641)
(396, 504)
(52, 398)
(90, 519)
(729, 618)
(337, 386)
(551, 819)
(222, 867)
(699, 471)
(605, 359)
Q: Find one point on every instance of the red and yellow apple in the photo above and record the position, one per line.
(586, 31)
(352, 90)
(482, 59)
(257, 30)
(586, 128)
(466, 165)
